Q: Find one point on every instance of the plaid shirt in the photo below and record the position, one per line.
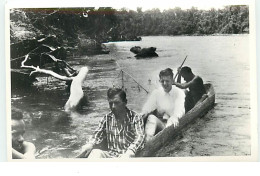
(120, 138)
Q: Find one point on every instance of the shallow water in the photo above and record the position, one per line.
(220, 60)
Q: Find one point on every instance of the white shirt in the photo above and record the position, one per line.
(170, 105)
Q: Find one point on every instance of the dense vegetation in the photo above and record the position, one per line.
(230, 20)
(105, 24)
(72, 26)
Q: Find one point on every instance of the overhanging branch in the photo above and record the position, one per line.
(39, 70)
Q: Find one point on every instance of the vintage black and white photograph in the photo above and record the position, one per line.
(171, 81)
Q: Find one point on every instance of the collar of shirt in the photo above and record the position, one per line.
(126, 120)
(161, 90)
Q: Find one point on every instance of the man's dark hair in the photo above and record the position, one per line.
(114, 91)
(166, 72)
(185, 70)
(16, 114)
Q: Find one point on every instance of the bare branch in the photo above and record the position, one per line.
(76, 91)
(53, 58)
(48, 72)
(26, 66)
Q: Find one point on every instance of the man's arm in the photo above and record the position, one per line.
(179, 109)
(150, 104)
(100, 132)
(185, 85)
(85, 150)
(179, 75)
(179, 78)
(17, 155)
(139, 137)
(97, 138)
(29, 150)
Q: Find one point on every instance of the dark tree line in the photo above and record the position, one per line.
(104, 24)
(229, 20)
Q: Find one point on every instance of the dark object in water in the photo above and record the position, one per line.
(104, 49)
(170, 133)
(21, 78)
(138, 38)
(136, 49)
(144, 52)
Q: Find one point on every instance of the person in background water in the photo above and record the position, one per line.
(122, 130)
(165, 105)
(195, 85)
(20, 148)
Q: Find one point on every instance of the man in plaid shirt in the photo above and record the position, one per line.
(122, 130)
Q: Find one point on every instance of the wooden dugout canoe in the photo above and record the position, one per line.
(170, 133)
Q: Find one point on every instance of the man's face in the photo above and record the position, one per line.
(185, 76)
(166, 82)
(116, 104)
(18, 130)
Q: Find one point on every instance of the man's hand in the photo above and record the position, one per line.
(174, 121)
(86, 148)
(174, 82)
(178, 69)
(144, 116)
(128, 154)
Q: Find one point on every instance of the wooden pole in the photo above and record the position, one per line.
(136, 81)
(180, 67)
(122, 79)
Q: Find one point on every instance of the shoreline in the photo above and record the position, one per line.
(216, 34)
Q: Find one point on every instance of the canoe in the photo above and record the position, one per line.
(170, 133)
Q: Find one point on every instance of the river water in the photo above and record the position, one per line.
(220, 60)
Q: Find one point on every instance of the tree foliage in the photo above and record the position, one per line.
(108, 24)
(230, 20)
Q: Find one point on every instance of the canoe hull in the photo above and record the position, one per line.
(170, 133)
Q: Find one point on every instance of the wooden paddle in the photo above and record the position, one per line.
(180, 67)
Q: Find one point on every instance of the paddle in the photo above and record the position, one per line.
(180, 67)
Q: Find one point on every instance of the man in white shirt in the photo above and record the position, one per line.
(165, 106)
